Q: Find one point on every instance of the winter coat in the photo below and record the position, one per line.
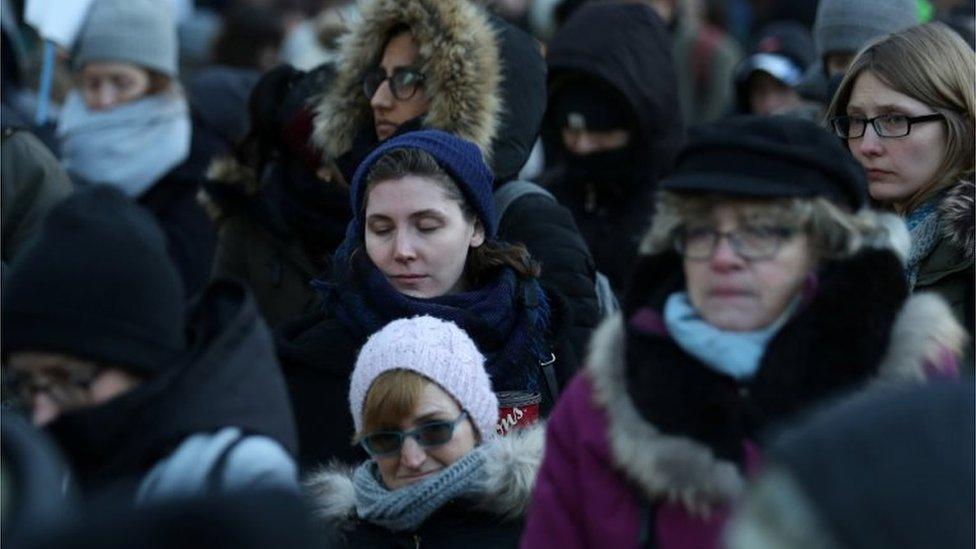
(487, 84)
(948, 270)
(493, 519)
(649, 447)
(190, 234)
(318, 354)
(626, 47)
(258, 246)
(32, 182)
(218, 421)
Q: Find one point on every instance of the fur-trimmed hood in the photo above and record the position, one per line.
(512, 464)
(959, 217)
(687, 470)
(458, 55)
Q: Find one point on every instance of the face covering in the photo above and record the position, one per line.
(609, 170)
(130, 146)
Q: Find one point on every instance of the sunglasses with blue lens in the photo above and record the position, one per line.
(434, 433)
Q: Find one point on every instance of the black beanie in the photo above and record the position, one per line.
(768, 157)
(97, 284)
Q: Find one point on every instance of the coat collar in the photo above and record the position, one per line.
(513, 462)
(460, 59)
(959, 217)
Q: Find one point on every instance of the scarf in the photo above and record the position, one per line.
(130, 146)
(407, 508)
(507, 318)
(925, 227)
(735, 354)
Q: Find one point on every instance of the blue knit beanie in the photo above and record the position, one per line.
(461, 159)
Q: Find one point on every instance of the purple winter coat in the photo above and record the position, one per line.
(603, 461)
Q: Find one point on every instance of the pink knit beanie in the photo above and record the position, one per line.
(437, 350)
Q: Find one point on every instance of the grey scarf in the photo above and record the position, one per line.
(407, 508)
(130, 146)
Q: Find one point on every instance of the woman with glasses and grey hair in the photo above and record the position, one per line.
(764, 287)
(905, 110)
(438, 475)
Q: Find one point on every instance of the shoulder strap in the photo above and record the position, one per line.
(215, 477)
(508, 193)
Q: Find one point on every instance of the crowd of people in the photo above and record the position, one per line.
(451, 273)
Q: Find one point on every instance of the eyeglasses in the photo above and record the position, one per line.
(435, 433)
(886, 125)
(404, 82)
(751, 243)
(67, 388)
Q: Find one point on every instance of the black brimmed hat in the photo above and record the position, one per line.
(768, 157)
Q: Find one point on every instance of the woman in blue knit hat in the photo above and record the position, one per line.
(422, 241)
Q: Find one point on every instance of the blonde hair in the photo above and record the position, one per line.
(932, 64)
(393, 396)
(834, 232)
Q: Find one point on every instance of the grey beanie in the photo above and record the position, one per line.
(848, 25)
(141, 32)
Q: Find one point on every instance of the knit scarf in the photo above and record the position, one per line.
(130, 146)
(735, 354)
(925, 227)
(507, 318)
(407, 508)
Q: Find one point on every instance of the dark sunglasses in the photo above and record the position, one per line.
(404, 82)
(435, 433)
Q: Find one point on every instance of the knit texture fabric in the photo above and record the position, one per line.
(925, 227)
(407, 508)
(97, 284)
(848, 25)
(141, 32)
(461, 159)
(437, 350)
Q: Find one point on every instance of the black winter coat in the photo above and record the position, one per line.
(318, 354)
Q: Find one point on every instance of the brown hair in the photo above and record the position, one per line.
(931, 64)
(393, 396)
(482, 262)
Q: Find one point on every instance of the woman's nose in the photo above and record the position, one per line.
(383, 97)
(403, 248)
(411, 454)
(870, 144)
(44, 410)
(724, 255)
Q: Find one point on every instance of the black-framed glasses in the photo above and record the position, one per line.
(66, 388)
(404, 82)
(751, 243)
(434, 433)
(886, 125)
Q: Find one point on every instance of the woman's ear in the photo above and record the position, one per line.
(478, 237)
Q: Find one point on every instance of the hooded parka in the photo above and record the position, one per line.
(650, 448)
(494, 517)
(219, 421)
(625, 48)
(486, 83)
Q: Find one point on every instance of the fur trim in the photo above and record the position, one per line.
(512, 465)
(459, 53)
(959, 217)
(663, 466)
(924, 331)
(225, 171)
(331, 494)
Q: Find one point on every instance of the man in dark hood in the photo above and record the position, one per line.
(97, 346)
(614, 123)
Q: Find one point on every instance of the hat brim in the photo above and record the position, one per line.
(778, 66)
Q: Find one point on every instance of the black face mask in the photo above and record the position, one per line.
(613, 170)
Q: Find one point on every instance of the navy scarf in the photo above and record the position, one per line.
(507, 318)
